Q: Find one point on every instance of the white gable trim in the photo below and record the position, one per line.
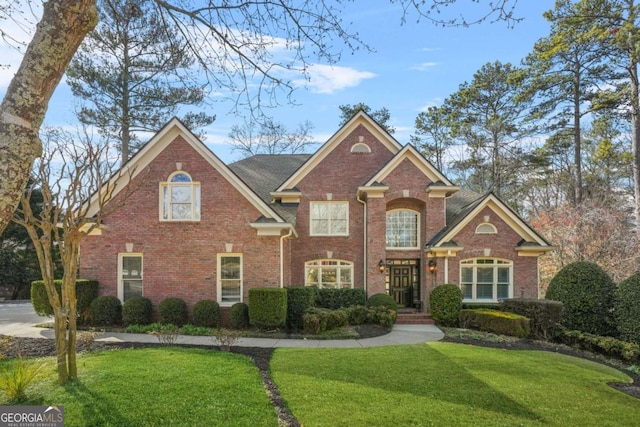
(506, 214)
(360, 118)
(409, 152)
(161, 141)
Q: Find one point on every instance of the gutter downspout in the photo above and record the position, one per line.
(286, 236)
(364, 224)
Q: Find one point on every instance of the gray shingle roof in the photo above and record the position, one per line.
(264, 173)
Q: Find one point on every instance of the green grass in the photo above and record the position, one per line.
(449, 384)
(157, 387)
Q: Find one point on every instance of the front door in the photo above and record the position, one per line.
(403, 282)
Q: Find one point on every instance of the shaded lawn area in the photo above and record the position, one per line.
(440, 384)
(167, 386)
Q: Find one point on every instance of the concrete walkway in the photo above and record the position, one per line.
(18, 319)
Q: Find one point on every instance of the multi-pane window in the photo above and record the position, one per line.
(486, 279)
(130, 272)
(329, 218)
(402, 229)
(180, 198)
(329, 273)
(229, 278)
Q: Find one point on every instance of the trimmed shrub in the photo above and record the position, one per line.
(314, 323)
(495, 321)
(86, 292)
(299, 300)
(587, 293)
(544, 315)
(137, 311)
(445, 303)
(608, 346)
(383, 300)
(383, 316)
(206, 313)
(358, 315)
(239, 316)
(334, 299)
(173, 311)
(268, 307)
(627, 309)
(105, 310)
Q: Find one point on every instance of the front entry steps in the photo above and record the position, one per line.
(413, 317)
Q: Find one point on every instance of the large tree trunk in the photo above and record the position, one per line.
(63, 25)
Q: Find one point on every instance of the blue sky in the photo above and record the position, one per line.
(414, 65)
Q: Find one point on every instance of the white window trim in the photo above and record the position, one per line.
(317, 263)
(360, 148)
(120, 280)
(195, 191)
(473, 263)
(329, 233)
(486, 225)
(219, 278)
(407, 248)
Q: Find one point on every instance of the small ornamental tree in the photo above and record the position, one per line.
(627, 309)
(587, 292)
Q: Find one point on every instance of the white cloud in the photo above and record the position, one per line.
(329, 79)
(425, 66)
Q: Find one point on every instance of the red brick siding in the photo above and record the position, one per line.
(180, 258)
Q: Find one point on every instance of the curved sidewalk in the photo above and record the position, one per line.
(20, 324)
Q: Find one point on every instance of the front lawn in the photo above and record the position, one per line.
(165, 386)
(449, 384)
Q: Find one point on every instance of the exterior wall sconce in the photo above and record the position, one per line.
(381, 266)
(433, 266)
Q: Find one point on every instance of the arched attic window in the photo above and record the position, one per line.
(486, 228)
(180, 198)
(360, 147)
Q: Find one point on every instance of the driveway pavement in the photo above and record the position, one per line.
(18, 319)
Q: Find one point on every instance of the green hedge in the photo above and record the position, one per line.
(137, 311)
(86, 291)
(206, 313)
(495, 321)
(544, 315)
(268, 307)
(445, 303)
(383, 300)
(239, 316)
(106, 310)
(299, 300)
(608, 346)
(334, 299)
(587, 292)
(173, 311)
(317, 320)
(627, 309)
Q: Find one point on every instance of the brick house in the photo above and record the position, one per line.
(363, 211)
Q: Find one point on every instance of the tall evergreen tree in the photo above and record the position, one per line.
(433, 135)
(381, 116)
(133, 73)
(566, 70)
(490, 119)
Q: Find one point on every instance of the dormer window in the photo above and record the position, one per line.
(180, 198)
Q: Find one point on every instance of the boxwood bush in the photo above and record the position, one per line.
(86, 292)
(173, 311)
(268, 307)
(544, 315)
(587, 293)
(445, 303)
(627, 309)
(334, 299)
(137, 311)
(608, 346)
(206, 313)
(299, 300)
(239, 316)
(105, 310)
(382, 300)
(495, 321)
